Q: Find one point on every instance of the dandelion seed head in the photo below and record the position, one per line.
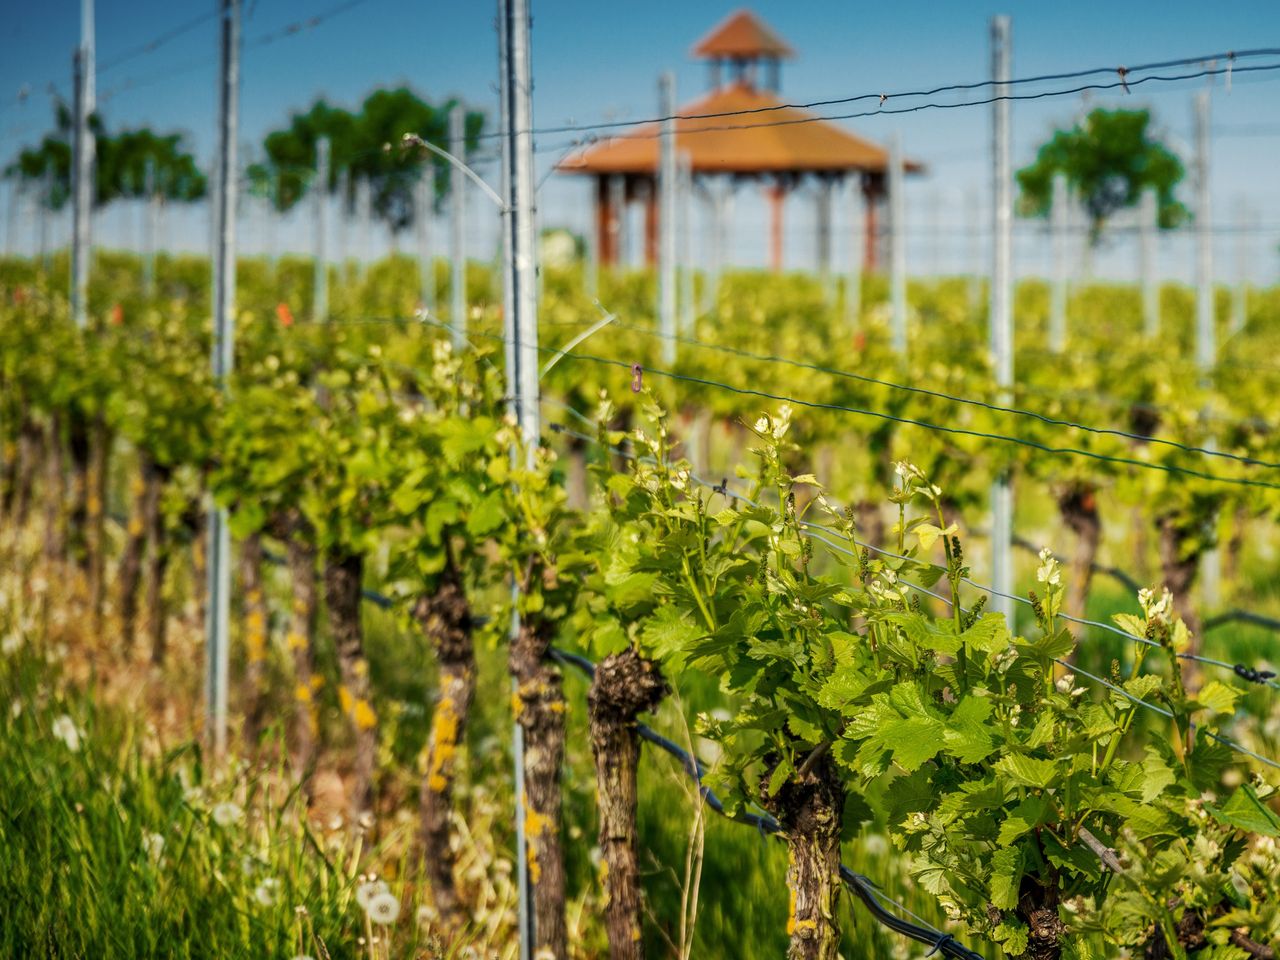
(383, 908)
(64, 728)
(227, 814)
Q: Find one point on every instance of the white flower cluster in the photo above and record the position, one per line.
(775, 427)
(1066, 684)
(1155, 608)
(1050, 570)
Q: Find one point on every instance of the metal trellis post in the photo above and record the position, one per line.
(149, 201)
(1002, 304)
(1147, 225)
(224, 294)
(1206, 332)
(458, 226)
(83, 150)
(667, 217)
(423, 209)
(855, 230)
(522, 326)
(1058, 213)
(685, 257)
(320, 209)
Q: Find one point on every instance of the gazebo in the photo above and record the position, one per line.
(752, 135)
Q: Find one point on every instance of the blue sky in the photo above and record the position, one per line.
(601, 60)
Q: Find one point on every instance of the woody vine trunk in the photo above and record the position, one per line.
(301, 558)
(445, 618)
(1038, 909)
(99, 469)
(1078, 507)
(625, 685)
(255, 635)
(54, 492)
(810, 813)
(146, 501)
(80, 445)
(342, 578)
(27, 467)
(157, 562)
(539, 705)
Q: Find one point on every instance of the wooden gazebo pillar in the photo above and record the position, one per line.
(606, 217)
(872, 194)
(777, 194)
(649, 188)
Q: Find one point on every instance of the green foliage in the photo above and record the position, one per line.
(120, 164)
(367, 146)
(1108, 159)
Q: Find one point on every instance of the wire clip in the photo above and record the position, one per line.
(1251, 674)
(637, 378)
(943, 940)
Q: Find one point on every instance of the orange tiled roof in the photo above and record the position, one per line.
(747, 147)
(742, 34)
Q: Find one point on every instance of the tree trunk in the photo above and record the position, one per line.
(157, 562)
(134, 546)
(540, 707)
(55, 492)
(301, 556)
(445, 618)
(342, 578)
(1179, 569)
(625, 685)
(810, 813)
(255, 635)
(99, 471)
(1078, 506)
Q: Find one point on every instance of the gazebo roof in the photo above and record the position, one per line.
(741, 35)
(779, 139)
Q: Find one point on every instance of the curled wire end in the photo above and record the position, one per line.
(637, 378)
(1252, 674)
(942, 941)
(1124, 73)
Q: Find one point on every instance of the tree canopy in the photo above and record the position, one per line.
(120, 167)
(1108, 159)
(359, 146)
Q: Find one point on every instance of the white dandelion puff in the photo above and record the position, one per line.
(64, 728)
(383, 908)
(227, 814)
(366, 890)
(153, 846)
(265, 893)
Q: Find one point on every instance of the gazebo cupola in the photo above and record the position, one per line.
(740, 131)
(751, 51)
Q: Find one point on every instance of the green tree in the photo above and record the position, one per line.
(120, 164)
(367, 145)
(1108, 160)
